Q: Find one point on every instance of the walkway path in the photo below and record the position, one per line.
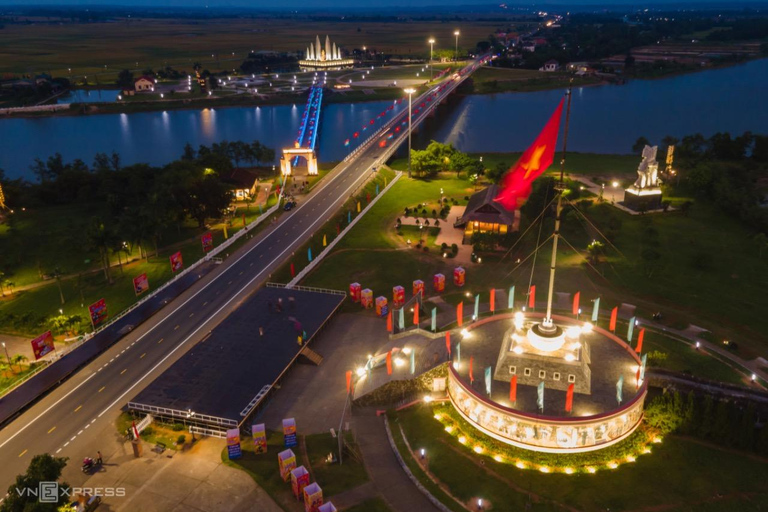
(388, 477)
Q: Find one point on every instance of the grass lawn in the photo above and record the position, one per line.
(370, 505)
(489, 80)
(335, 478)
(263, 468)
(678, 473)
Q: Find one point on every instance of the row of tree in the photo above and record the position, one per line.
(438, 157)
(720, 421)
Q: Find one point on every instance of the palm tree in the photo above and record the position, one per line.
(18, 359)
(101, 238)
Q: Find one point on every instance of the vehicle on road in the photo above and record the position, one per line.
(289, 205)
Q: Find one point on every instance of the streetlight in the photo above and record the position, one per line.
(431, 52)
(409, 91)
(8, 357)
(456, 51)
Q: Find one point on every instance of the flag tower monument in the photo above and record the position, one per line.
(567, 379)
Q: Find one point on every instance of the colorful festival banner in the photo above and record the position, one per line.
(471, 376)
(513, 389)
(540, 396)
(140, 284)
(511, 298)
(176, 261)
(313, 497)
(416, 313)
(493, 300)
(207, 241)
(532, 297)
(448, 343)
(98, 312)
(458, 353)
(620, 389)
(460, 313)
(233, 443)
(389, 363)
(299, 480)
(401, 319)
(413, 361)
(433, 325)
(644, 361)
(42, 345)
(348, 376)
(631, 329)
(286, 462)
(488, 379)
(289, 432)
(614, 316)
(640, 336)
(259, 433)
(476, 316)
(569, 398)
(595, 310)
(575, 308)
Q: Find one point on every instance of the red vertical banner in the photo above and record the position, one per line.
(532, 297)
(416, 313)
(448, 342)
(460, 313)
(368, 197)
(176, 261)
(349, 381)
(513, 389)
(42, 345)
(389, 363)
(98, 312)
(389, 321)
(639, 347)
(637, 377)
(614, 315)
(576, 297)
(207, 241)
(293, 271)
(569, 398)
(493, 300)
(471, 377)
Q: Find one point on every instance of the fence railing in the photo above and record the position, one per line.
(306, 288)
(306, 270)
(183, 415)
(211, 256)
(208, 432)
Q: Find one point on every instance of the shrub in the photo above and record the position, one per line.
(177, 427)
(182, 439)
(437, 222)
(407, 211)
(466, 198)
(443, 246)
(454, 249)
(426, 249)
(424, 211)
(148, 431)
(434, 212)
(399, 221)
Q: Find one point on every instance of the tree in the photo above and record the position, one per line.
(125, 78)
(42, 468)
(189, 152)
(19, 359)
(594, 250)
(424, 163)
(100, 238)
(639, 144)
(496, 173)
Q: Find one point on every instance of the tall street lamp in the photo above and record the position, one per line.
(456, 51)
(431, 52)
(8, 358)
(410, 92)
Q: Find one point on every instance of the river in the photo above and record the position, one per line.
(605, 119)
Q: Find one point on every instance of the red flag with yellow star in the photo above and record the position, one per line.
(516, 183)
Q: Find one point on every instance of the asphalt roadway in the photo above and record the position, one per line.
(67, 421)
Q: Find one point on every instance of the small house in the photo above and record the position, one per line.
(144, 84)
(550, 66)
(484, 215)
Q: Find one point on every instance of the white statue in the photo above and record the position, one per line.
(648, 170)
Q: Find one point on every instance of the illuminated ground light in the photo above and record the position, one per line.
(438, 417)
(656, 439)
(631, 458)
(462, 440)
(544, 469)
(568, 471)
(498, 458)
(449, 429)
(612, 465)
(478, 449)
(591, 470)
(520, 465)
(646, 450)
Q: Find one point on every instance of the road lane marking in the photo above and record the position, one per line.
(79, 432)
(52, 429)
(57, 451)
(22, 453)
(65, 444)
(176, 327)
(142, 355)
(204, 303)
(78, 408)
(323, 186)
(122, 372)
(73, 438)
(191, 315)
(102, 389)
(160, 341)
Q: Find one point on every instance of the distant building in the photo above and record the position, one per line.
(484, 215)
(144, 83)
(550, 66)
(324, 56)
(244, 183)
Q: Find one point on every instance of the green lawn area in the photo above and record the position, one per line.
(335, 478)
(678, 474)
(492, 80)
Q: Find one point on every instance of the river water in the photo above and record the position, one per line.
(605, 119)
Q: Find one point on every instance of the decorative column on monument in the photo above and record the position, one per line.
(318, 50)
(645, 194)
(328, 48)
(334, 55)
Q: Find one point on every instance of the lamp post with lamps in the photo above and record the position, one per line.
(431, 52)
(409, 91)
(456, 50)
(8, 358)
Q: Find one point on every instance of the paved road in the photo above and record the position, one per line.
(67, 421)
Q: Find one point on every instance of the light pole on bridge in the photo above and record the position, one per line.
(456, 51)
(410, 92)
(431, 52)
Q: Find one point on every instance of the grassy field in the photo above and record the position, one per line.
(106, 48)
(335, 478)
(679, 474)
(370, 505)
(701, 252)
(488, 80)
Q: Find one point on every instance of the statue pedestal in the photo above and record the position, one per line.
(645, 199)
